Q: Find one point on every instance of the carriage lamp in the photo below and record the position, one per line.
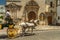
(11, 26)
(0, 26)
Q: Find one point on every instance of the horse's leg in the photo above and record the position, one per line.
(23, 31)
(28, 29)
(31, 29)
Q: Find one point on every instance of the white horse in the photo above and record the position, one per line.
(28, 25)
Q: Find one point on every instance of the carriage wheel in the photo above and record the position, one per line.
(12, 33)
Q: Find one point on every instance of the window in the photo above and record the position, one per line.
(58, 2)
(58, 17)
(51, 4)
(42, 17)
(51, 11)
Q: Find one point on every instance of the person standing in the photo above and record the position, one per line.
(8, 18)
(8, 13)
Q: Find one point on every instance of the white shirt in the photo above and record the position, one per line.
(8, 14)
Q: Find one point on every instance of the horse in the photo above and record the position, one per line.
(28, 25)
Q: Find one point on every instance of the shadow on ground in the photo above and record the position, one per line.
(26, 34)
(53, 25)
(29, 34)
(3, 36)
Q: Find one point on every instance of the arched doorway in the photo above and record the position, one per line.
(31, 15)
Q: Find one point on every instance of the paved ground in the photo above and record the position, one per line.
(47, 27)
(39, 35)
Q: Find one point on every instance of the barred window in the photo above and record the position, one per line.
(58, 17)
(58, 2)
(42, 17)
(51, 4)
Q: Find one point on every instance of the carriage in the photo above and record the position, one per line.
(13, 32)
(21, 30)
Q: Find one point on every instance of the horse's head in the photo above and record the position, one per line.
(36, 22)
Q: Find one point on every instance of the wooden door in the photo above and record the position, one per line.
(31, 15)
(49, 19)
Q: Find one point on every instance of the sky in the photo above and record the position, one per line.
(2, 2)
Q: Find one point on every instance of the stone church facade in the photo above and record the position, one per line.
(43, 10)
